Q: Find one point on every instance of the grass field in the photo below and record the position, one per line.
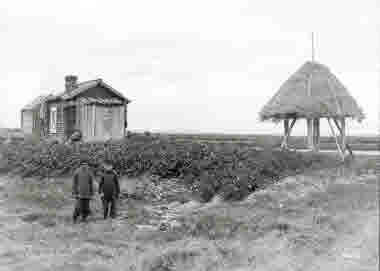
(361, 143)
(322, 216)
(231, 169)
(318, 220)
(367, 143)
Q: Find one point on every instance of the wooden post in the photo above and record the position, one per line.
(343, 133)
(316, 133)
(310, 141)
(77, 115)
(336, 139)
(124, 118)
(93, 120)
(22, 121)
(288, 130)
(284, 144)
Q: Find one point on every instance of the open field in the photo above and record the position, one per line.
(206, 169)
(190, 206)
(319, 220)
(362, 143)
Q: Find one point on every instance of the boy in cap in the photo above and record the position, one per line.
(109, 189)
(83, 190)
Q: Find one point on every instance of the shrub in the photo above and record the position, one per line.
(207, 169)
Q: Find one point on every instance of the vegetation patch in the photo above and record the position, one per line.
(230, 169)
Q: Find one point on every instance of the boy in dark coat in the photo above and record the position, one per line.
(109, 189)
(83, 190)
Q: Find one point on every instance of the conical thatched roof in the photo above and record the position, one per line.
(312, 91)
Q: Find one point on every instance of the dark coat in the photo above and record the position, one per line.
(83, 186)
(109, 184)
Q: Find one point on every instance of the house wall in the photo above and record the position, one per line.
(100, 123)
(69, 118)
(60, 130)
(125, 116)
(30, 122)
(36, 123)
(96, 122)
(85, 120)
(27, 121)
(110, 122)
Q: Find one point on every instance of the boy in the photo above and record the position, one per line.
(109, 189)
(83, 190)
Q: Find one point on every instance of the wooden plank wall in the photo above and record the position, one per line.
(27, 121)
(125, 117)
(60, 121)
(36, 123)
(100, 129)
(86, 121)
(78, 115)
(101, 122)
(69, 120)
(110, 122)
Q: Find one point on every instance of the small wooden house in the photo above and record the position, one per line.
(92, 107)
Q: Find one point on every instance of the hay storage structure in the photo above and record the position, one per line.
(313, 92)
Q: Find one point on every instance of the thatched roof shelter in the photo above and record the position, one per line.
(313, 91)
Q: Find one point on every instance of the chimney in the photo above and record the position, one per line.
(70, 82)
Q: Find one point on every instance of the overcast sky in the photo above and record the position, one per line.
(189, 66)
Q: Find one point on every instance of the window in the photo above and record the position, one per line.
(53, 120)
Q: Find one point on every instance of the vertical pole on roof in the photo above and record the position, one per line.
(313, 133)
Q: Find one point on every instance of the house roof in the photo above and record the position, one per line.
(312, 91)
(83, 86)
(90, 100)
(37, 102)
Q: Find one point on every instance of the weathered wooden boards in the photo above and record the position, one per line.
(99, 122)
(27, 121)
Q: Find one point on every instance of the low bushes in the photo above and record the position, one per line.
(231, 170)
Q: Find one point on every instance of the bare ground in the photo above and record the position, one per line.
(317, 221)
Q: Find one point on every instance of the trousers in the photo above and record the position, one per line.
(82, 208)
(109, 207)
